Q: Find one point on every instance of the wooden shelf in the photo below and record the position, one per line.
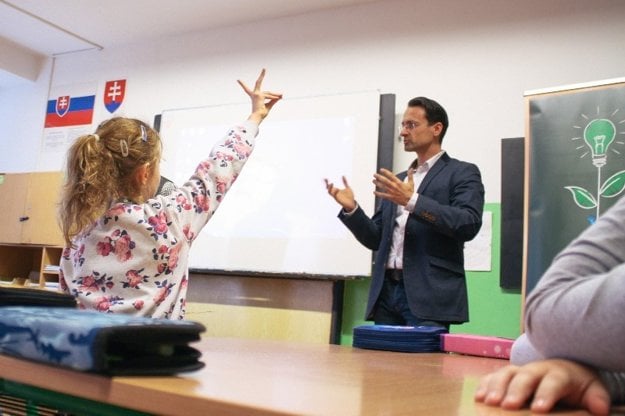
(20, 263)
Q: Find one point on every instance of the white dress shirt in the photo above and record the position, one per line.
(396, 255)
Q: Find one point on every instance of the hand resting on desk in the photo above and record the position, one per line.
(544, 384)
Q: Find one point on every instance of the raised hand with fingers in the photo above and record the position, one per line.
(345, 196)
(262, 101)
(392, 188)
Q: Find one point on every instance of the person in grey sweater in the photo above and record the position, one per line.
(572, 351)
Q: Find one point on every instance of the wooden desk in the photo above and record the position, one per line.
(264, 377)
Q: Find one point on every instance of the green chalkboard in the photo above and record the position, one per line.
(576, 166)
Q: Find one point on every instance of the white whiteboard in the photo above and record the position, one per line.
(278, 217)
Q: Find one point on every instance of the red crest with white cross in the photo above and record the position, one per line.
(114, 92)
(62, 105)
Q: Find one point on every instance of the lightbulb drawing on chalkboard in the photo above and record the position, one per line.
(598, 135)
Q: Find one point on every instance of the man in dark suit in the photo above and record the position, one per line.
(418, 232)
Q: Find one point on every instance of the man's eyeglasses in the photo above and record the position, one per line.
(408, 125)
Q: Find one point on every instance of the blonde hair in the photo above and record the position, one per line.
(100, 169)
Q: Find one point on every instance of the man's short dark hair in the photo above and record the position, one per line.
(434, 112)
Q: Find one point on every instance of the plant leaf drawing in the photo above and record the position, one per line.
(582, 197)
(614, 185)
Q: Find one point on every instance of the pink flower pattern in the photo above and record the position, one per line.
(188, 232)
(118, 243)
(134, 259)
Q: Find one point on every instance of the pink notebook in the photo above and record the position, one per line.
(484, 346)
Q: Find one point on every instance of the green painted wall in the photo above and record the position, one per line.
(492, 310)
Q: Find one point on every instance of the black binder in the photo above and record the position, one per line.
(22, 296)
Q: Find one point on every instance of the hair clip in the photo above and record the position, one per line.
(97, 137)
(144, 134)
(123, 146)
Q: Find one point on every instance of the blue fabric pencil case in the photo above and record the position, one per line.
(98, 342)
(398, 338)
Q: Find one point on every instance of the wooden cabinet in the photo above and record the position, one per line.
(30, 238)
(28, 208)
(13, 189)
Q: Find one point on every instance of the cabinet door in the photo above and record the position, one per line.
(13, 188)
(44, 191)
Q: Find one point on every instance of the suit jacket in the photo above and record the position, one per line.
(448, 213)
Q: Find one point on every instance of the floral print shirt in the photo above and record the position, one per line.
(134, 258)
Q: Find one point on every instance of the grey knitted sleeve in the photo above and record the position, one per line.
(576, 309)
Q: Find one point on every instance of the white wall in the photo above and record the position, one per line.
(476, 58)
(22, 113)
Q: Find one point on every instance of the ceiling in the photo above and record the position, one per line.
(32, 30)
